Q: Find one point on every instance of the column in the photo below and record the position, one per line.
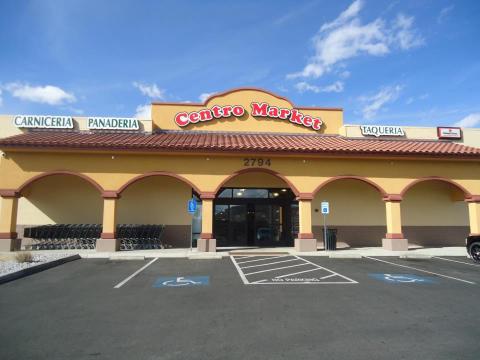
(108, 240)
(305, 241)
(394, 239)
(206, 242)
(8, 220)
(474, 216)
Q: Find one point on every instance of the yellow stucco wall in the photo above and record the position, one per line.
(155, 200)
(61, 200)
(208, 172)
(163, 115)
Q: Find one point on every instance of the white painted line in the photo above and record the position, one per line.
(333, 272)
(120, 284)
(328, 276)
(425, 271)
(240, 272)
(276, 262)
(259, 281)
(267, 258)
(242, 257)
(309, 283)
(460, 262)
(296, 273)
(280, 268)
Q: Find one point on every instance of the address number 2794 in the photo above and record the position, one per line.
(256, 162)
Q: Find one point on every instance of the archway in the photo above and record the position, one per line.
(434, 213)
(357, 211)
(255, 207)
(160, 199)
(56, 203)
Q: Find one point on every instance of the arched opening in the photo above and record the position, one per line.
(160, 200)
(50, 206)
(357, 212)
(434, 213)
(255, 208)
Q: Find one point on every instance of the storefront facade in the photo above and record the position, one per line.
(259, 166)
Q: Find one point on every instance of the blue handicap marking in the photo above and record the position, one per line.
(181, 281)
(403, 278)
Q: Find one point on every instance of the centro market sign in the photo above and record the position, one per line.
(257, 110)
(378, 130)
(43, 122)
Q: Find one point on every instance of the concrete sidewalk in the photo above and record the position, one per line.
(225, 252)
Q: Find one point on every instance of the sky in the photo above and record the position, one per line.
(408, 62)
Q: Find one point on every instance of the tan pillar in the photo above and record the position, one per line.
(474, 217)
(305, 240)
(8, 220)
(394, 239)
(108, 240)
(206, 242)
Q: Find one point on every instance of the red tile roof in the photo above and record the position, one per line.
(236, 142)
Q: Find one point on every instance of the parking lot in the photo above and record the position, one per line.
(281, 307)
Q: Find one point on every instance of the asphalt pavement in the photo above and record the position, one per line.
(245, 308)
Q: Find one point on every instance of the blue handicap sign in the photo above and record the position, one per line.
(181, 281)
(192, 206)
(403, 278)
(325, 207)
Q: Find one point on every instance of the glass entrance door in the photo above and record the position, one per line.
(255, 217)
(267, 224)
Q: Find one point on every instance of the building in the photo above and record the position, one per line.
(259, 167)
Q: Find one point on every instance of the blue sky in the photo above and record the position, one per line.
(409, 62)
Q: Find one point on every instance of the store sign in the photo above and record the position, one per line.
(449, 132)
(378, 130)
(103, 123)
(43, 122)
(257, 110)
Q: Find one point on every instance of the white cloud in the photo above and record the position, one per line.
(143, 112)
(346, 15)
(403, 33)
(303, 86)
(444, 13)
(1, 100)
(471, 120)
(152, 91)
(346, 37)
(374, 103)
(47, 94)
(203, 97)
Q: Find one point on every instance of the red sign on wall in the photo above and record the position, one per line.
(264, 110)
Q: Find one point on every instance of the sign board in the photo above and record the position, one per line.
(380, 130)
(258, 109)
(43, 122)
(107, 123)
(192, 206)
(403, 278)
(449, 133)
(181, 281)
(325, 207)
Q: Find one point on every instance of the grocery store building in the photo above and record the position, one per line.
(259, 168)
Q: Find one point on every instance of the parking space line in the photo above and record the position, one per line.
(460, 262)
(240, 272)
(280, 268)
(333, 272)
(328, 276)
(421, 270)
(120, 284)
(267, 258)
(300, 272)
(276, 262)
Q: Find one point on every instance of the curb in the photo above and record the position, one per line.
(36, 269)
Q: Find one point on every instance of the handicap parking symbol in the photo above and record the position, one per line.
(181, 281)
(403, 278)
